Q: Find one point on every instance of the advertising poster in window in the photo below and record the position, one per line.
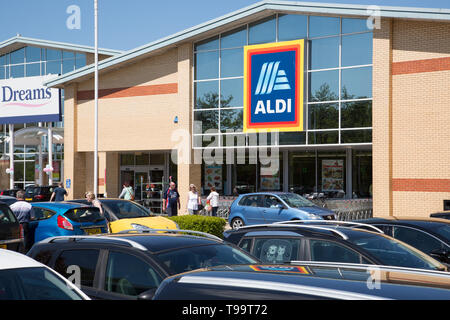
(213, 177)
(270, 183)
(332, 175)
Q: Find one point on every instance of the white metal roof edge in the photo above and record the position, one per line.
(58, 45)
(305, 7)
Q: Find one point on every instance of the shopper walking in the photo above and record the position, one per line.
(194, 200)
(127, 192)
(213, 198)
(59, 193)
(24, 213)
(93, 201)
(171, 200)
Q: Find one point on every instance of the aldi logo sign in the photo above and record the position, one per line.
(273, 86)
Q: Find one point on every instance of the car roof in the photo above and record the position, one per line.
(7, 197)
(421, 221)
(11, 259)
(58, 205)
(266, 192)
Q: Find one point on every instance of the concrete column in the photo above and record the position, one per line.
(382, 119)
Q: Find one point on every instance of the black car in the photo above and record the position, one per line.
(304, 281)
(10, 230)
(132, 265)
(441, 215)
(8, 200)
(38, 193)
(429, 235)
(9, 192)
(330, 241)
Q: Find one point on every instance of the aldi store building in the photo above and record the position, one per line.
(355, 103)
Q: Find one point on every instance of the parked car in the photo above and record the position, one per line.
(9, 192)
(132, 265)
(23, 278)
(59, 219)
(8, 200)
(38, 193)
(305, 281)
(11, 237)
(335, 242)
(430, 235)
(266, 207)
(441, 215)
(125, 214)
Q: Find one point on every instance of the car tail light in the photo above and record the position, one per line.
(64, 223)
(21, 231)
(39, 197)
(1, 193)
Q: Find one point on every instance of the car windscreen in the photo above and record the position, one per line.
(296, 201)
(441, 229)
(34, 284)
(85, 214)
(392, 252)
(191, 258)
(126, 209)
(6, 215)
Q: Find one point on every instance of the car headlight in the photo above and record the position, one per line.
(314, 216)
(137, 226)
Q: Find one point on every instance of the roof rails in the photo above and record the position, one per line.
(170, 230)
(361, 266)
(132, 243)
(357, 224)
(276, 225)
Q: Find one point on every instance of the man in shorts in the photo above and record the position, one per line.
(171, 200)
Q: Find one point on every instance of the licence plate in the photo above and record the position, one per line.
(93, 231)
(3, 246)
(28, 199)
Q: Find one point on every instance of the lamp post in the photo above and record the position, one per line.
(96, 99)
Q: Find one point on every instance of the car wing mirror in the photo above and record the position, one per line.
(147, 295)
(280, 206)
(441, 255)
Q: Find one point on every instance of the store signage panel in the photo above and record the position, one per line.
(25, 100)
(273, 86)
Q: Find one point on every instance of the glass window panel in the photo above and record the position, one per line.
(206, 121)
(356, 83)
(157, 158)
(323, 26)
(33, 69)
(235, 140)
(232, 62)
(262, 31)
(207, 65)
(68, 55)
(231, 93)
(323, 116)
(18, 71)
(18, 56)
(356, 136)
(302, 172)
(208, 44)
(142, 159)
(206, 94)
(234, 38)
(2, 60)
(362, 173)
(206, 141)
(231, 119)
(53, 54)
(80, 60)
(18, 170)
(86, 260)
(324, 53)
(291, 138)
(357, 49)
(357, 114)
(292, 27)
(53, 67)
(324, 85)
(350, 25)
(2, 72)
(68, 65)
(29, 170)
(127, 159)
(33, 54)
(325, 137)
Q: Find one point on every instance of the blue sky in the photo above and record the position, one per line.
(128, 24)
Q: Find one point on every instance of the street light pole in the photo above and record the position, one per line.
(96, 99)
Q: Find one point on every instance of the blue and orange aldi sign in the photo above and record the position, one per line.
(273, 86)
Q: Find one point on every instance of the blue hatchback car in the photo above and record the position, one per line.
(63, 219)
(270, 207)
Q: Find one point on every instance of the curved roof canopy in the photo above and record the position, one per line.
(32, 135)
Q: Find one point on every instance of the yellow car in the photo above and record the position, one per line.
(125, 215)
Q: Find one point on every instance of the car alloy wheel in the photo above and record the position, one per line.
(237, 223)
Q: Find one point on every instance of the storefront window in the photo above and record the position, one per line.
(233, 39)
(323, 26)
(232, 63)
(302, 172)
(262, 31)
(292, 27)
(292, 138)
(231, 119)
(356, 83)
(323, 116)
(356, 136)
(142, 159)
(324, 86)
(206, 65)
(33, 54)
(207, 94)
(362, 173)
(208, 44)
(324, 53)
(331, 173)
(127, 159)
(357, 49)
(206, 121)
(231, 93)
(350, 25)
(323, 137)
(356, 114)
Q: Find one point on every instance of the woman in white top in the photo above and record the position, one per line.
(213, 201)
(193, 200)
(90, 197)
